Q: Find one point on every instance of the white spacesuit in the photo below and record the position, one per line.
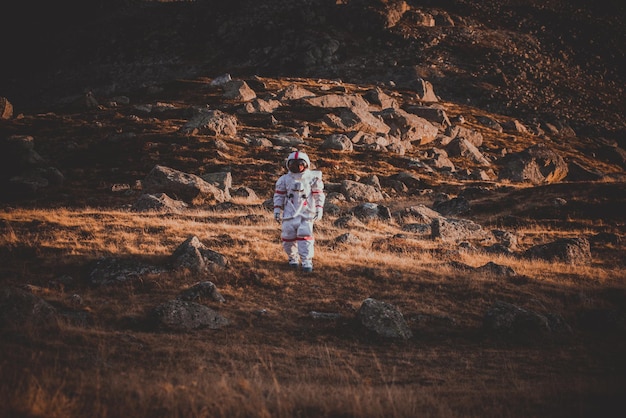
(300, 196)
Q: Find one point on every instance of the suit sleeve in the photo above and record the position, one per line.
(317, 192)
(280, 193)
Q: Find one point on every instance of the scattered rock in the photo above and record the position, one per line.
(186, 187)
(347, 238)
(109, 271)
(359, 192)
(211, 122)
(457, 230)
(200, 291)
(159, 202)
(193, 255)
(371, 211)
(238, 90)
(455, 206)
(566, 250)
(537, 164)
(383, 319)
(180, 315)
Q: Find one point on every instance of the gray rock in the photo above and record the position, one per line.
(238, 90)
(378, 97)
(496, 269)
(422, 229)
(179, 315)
(347, 238)
(537, 164)
(202, 290)
(186, 187)
(371, 211)
(193, 255)
(338, 142)
(462, 147)
(223, 180)
(457, 230)
(245, 193)
(294, 92)
(159, 202)
(349, 222)
(383, 319)
(455, 206)
(461, 132)
(111, 271)
(359, 192)
(566, 250)
(409, 127)
(490, 123)
(338, 100)
(211, 122)
(436, 114)
(420, 213)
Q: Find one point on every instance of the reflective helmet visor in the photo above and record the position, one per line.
(297, 166)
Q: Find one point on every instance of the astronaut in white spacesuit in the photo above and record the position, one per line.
(299, 195)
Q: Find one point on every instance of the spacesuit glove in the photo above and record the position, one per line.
(277, 215)
(318, 214)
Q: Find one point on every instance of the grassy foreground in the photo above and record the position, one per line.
(275, 359)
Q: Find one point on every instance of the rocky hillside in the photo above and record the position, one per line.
(534, 60)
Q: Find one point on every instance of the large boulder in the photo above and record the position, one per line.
(331, 101)
(182, 186)
(537, 164)
(357, 119)
(359, 192)
(409, 127)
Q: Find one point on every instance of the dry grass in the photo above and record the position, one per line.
(283, 363)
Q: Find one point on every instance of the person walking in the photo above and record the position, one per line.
(298, 203)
